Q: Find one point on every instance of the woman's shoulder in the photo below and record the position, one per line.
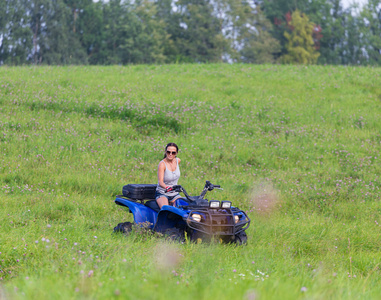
(178, 160)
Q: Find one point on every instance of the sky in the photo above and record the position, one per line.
(346, 3)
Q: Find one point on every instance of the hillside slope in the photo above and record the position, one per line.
(297, 147)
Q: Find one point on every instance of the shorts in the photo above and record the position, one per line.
(170, 198)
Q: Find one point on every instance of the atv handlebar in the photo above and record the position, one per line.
(208, 187)
(176, 188)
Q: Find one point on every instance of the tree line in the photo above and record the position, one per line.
(60, 32)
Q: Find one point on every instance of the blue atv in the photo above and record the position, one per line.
(191, 217)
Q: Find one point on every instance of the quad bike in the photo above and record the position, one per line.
(191, 217)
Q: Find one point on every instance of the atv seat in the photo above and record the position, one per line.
(152, 204)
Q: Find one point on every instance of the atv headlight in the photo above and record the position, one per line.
(214, 204)
(226, 204)
(196, 217)
(236, 219)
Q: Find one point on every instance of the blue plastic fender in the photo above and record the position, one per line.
(170, 217)
(174, 210)
(141, 212)
(181, 202)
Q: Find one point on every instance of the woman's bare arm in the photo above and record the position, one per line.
(160, 174)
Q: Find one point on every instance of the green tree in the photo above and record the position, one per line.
(300, 44)
(132, 33)
(152, 37)
(15, 34)
(352, 50)
(115, 22)
(62, 45)
(370, 28)
(52, 41)
(329, 16)
(333, 32)
(85, 24)
(276, 12)
(199, 37)
(38, 10)
(250, 34)
(171, 23)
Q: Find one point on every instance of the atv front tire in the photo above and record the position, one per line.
(240, 238)
(125, 227)
(175, 235)
(199, 237)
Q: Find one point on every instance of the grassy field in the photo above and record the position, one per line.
(297, 147)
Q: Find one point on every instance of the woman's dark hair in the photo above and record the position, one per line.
(170, 145)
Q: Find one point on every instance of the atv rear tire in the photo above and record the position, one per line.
(240, 238)
(175, 235)
(125, 227)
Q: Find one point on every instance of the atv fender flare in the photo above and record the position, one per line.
(170, 217)
(141, 213)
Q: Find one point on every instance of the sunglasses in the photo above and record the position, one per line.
(171, 152)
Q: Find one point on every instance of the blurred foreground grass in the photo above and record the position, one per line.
(297, 147)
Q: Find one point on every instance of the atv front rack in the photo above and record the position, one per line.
(219, 222)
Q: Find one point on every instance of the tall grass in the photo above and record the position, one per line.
(296, 147)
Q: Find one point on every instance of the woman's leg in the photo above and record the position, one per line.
(172, 202)
(162, 201)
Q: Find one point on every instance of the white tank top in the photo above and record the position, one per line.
(170, 178)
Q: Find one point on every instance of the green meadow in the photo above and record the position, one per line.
(298, 148)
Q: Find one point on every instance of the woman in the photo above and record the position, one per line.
(168, 174)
